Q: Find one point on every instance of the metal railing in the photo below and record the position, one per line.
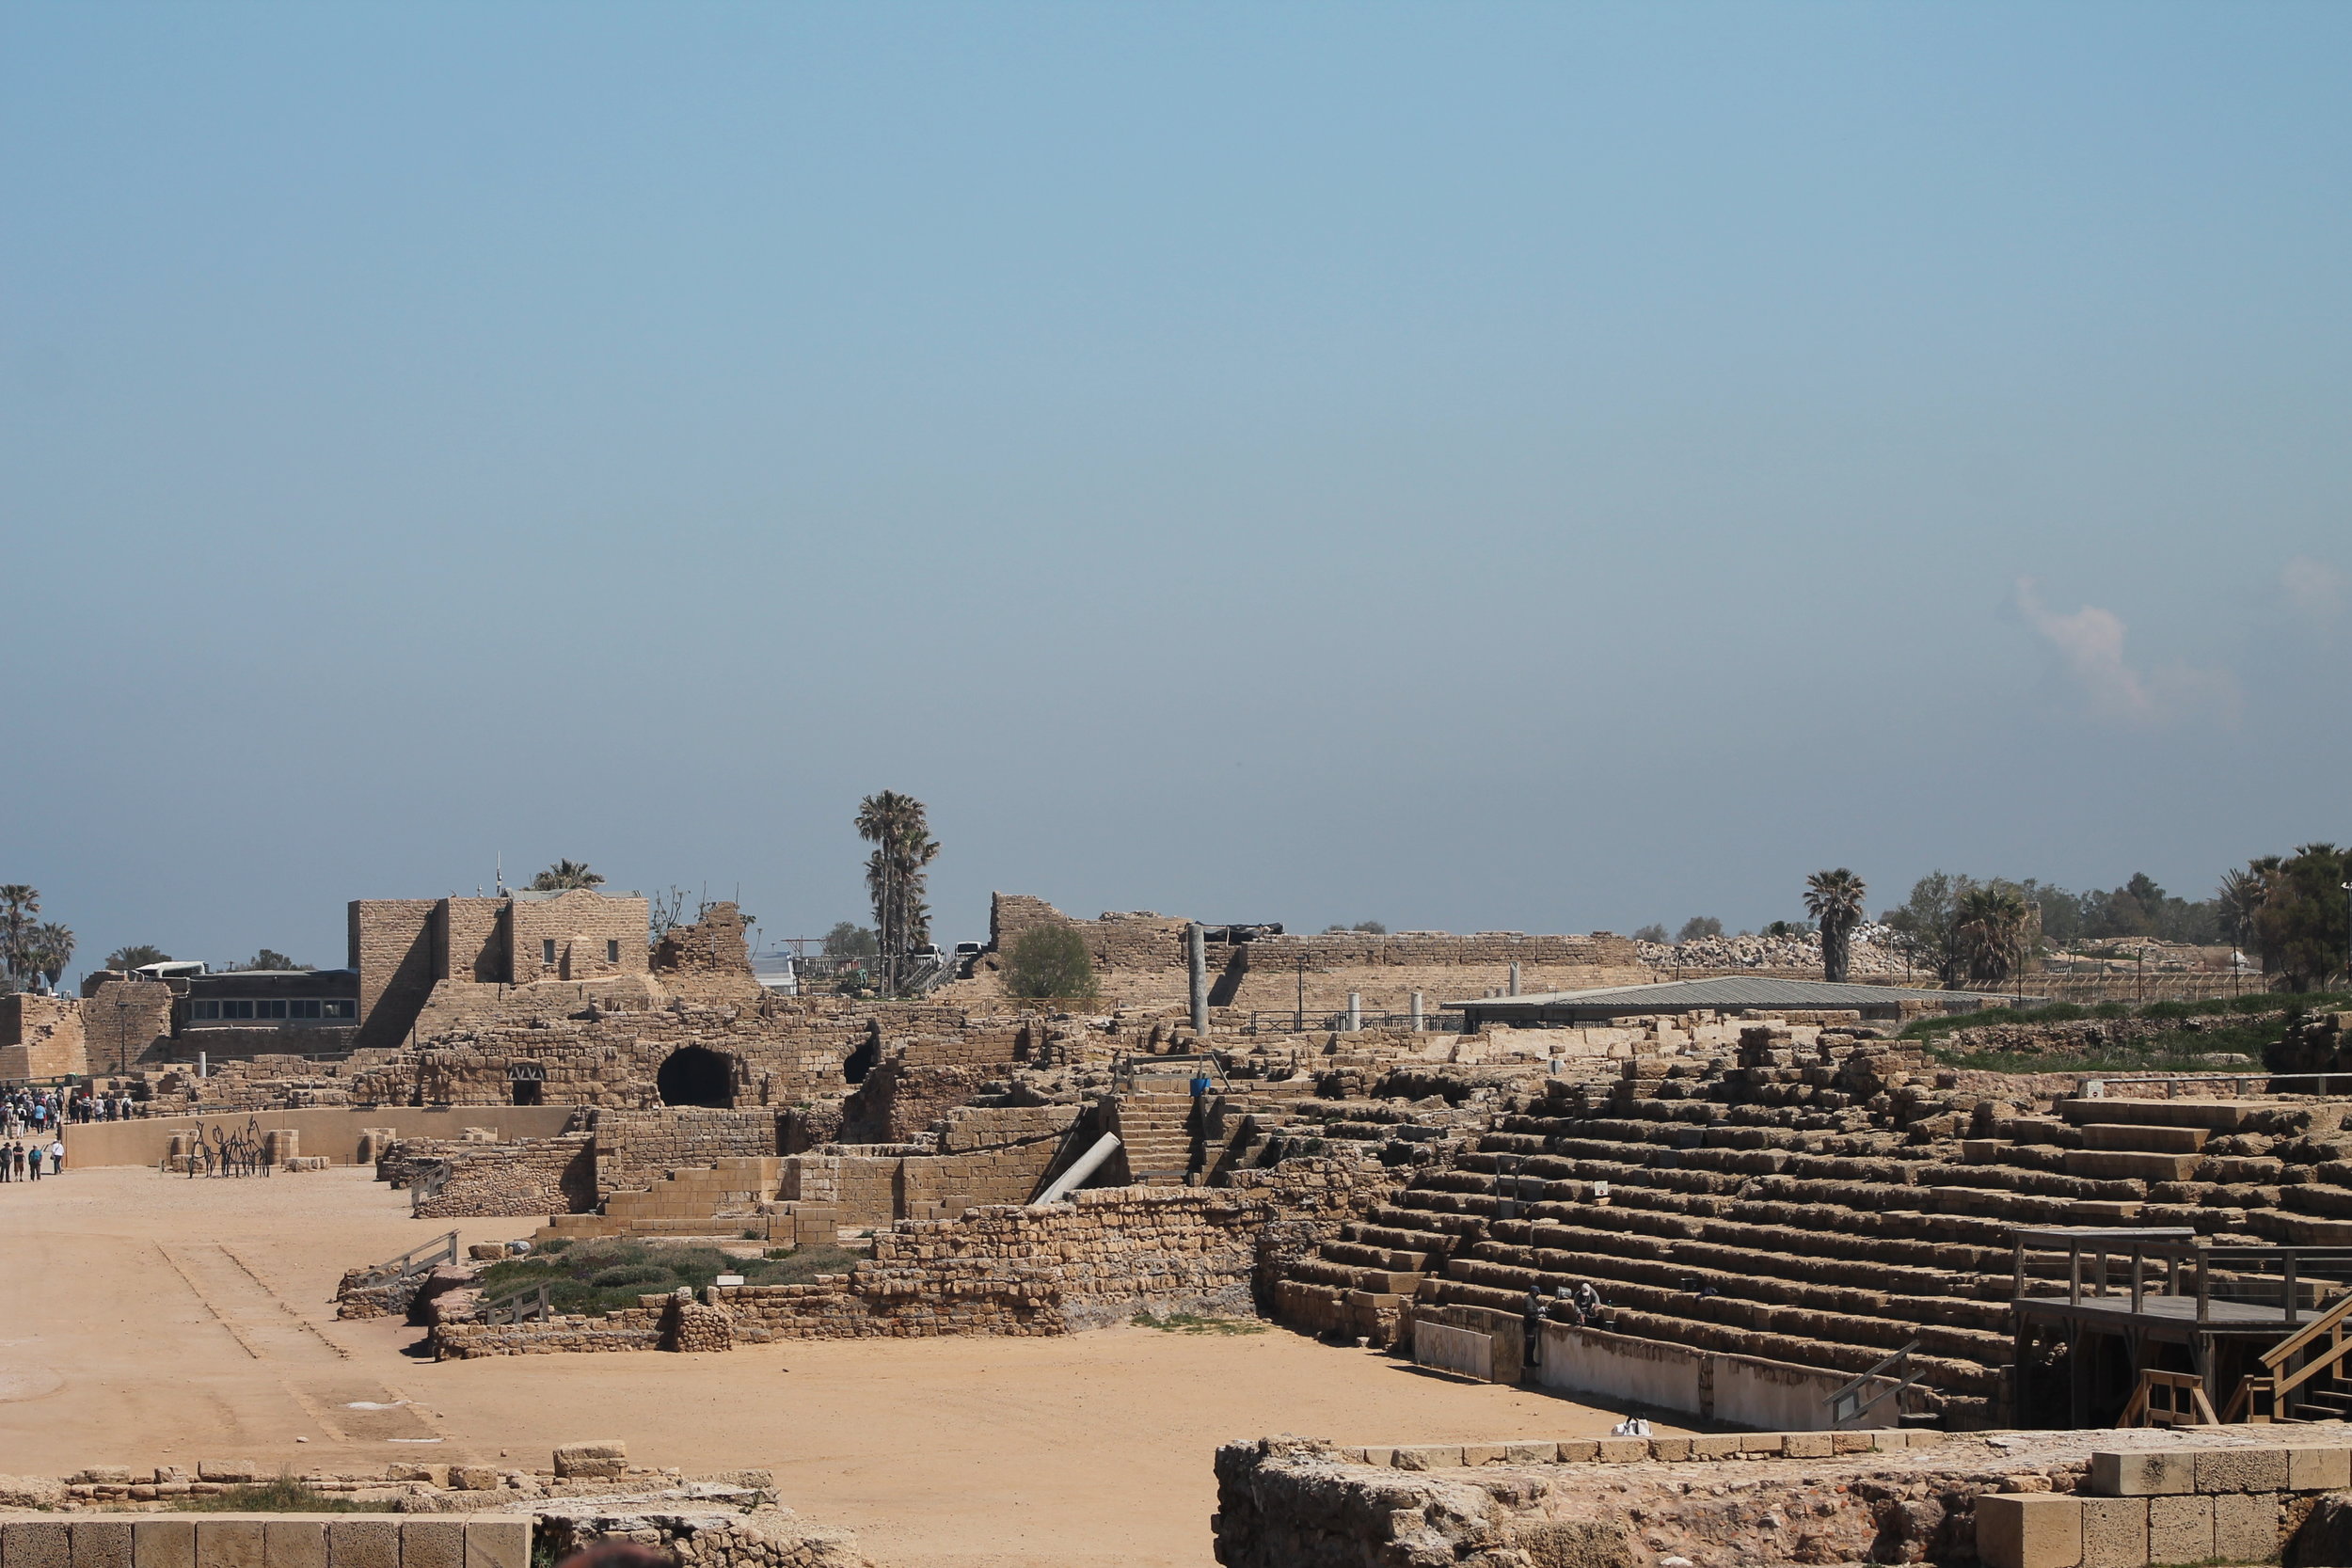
(2237, 1080)
(1124, 1067)
(1291, 1021)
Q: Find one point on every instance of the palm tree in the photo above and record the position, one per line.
(48, 950)
(2241, 897)
(1834, 898)
(1990, 922)
(899, 830)
(132, 957)
(564, 875)
(19, 903)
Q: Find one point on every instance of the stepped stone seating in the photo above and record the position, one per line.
(717, 1200)
(1822, 1197)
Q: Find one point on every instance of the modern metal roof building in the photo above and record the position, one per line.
(1734, 993)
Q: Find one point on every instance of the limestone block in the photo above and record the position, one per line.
(2140, 1474)
(163, 1543)
(428, 1543)
(2029, 1529)
(2180, 1530)
(227, 1469)
(1623, 1451)
(364, 1543)
(1670, 1449)
(1485, 1453)
(2246, 1526)
(473, 1477)
(102, 1543)
(1428, 1456)
(502, 1542)
(2241, 1469)
(591, 1461)
(2115, 1532)
(295, 1543)
(1579, 1450)
(2312, 1467)
(232, 1541)
(37, 1543)
(1807, 1445)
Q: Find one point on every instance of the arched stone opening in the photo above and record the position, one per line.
(695, 1075)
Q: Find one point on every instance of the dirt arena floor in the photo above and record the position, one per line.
(148, 1319)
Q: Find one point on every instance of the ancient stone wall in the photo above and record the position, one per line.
(40, 1036)
(392, 946)
(636, 1148)
(603, 1043)
(594, 935)
(123, 1020)
(713, 944)
(533, 1175)
(469, 939)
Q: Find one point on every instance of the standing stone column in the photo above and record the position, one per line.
(1515, 979)
(1416, 1012)
(1196, 955)
(1355, 1011)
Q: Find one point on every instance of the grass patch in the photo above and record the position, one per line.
(1193, 1322)
(594, 1277)
(2243, 1026)
(283, 1496)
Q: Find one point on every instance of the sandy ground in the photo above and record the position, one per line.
(146, 1318)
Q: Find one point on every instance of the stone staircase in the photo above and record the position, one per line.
(1817, 1200)
(719, 1200)
(1156, 1130)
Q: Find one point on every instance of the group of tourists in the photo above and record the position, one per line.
(87, 1106)
(29, 1160)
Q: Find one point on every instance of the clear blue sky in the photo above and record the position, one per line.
(1544, 467)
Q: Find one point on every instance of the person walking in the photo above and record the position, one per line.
(56, 1156)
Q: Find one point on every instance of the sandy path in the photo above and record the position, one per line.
(145, 1317)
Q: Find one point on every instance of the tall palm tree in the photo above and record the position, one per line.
(899, 830)
(49, 950)
(1990, 922)
(1834, 898)
(19, 903)
(2241, 897)
(564, 875)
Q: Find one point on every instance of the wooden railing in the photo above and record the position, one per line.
(2261, 1399)
(2168, 1400)
(416, 1260)
(529, 1305)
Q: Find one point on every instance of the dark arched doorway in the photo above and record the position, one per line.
(692, 1075)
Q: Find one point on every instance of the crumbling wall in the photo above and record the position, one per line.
(533, 1175)
(713, 944)
(40, 1036)
(124, 1018)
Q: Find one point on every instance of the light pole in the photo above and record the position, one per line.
(2347, 932)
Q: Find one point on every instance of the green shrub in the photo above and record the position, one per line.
(1049, 963)
(630, 1273)
(284, 1495)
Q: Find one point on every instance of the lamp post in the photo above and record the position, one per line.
(2347, 932)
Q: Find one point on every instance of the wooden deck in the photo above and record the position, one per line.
(2164, 1316)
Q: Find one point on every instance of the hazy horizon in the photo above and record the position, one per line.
(1473, 468)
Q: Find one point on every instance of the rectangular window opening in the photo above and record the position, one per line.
(612, 950)
(546, 950)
